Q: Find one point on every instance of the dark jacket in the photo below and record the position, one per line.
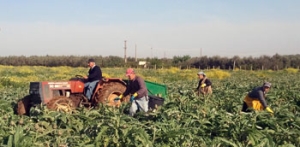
(137, 85)
(258, 93)
(95, 73)
(207, 82)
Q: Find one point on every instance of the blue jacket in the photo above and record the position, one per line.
(94, 74)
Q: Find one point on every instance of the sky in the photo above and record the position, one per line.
(151, 28)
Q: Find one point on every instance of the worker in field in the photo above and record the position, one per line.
(138, 91)
(256, 99)
(204, 85)
(93, 77)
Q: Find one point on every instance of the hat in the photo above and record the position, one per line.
(129, 71)
(201, 73)
(267, 84)
(91, 60)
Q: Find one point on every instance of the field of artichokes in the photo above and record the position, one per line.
(184, 120)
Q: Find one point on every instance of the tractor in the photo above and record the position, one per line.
(68, 95)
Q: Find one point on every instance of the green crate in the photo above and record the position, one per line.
(156, 89)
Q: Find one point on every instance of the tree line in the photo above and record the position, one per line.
(275, 62)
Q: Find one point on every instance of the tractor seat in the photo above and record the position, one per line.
(98, 86)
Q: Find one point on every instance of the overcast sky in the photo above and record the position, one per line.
(169, 27)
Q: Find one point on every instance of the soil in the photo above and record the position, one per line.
(61, 104)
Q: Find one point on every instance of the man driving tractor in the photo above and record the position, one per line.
(94, 76)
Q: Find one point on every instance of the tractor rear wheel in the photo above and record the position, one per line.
(23, 107)
(109, 92)
(62, 104)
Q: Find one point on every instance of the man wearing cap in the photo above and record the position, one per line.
(256, 99)
(94, 76)
(136, 87)
(204, 85)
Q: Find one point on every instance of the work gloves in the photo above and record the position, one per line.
(133, 96)
(203, 85)
(269, 110)
(121, 96)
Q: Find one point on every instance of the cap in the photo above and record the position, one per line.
(91, 60)
(267, 84)
(129, 71)
(201, 73)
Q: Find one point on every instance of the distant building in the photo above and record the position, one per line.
(143, 63)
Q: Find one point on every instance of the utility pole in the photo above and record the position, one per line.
(151, 53)
(200, 58)
(200, 52)
(125, 58)
(135, 54)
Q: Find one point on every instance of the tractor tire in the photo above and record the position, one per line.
(23, 106)
(109, 92)
(62, 104)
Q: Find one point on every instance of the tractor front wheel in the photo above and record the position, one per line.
(62, 104)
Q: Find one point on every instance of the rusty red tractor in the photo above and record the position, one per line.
(68, 95)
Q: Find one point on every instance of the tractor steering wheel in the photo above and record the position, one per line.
(79, 76)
